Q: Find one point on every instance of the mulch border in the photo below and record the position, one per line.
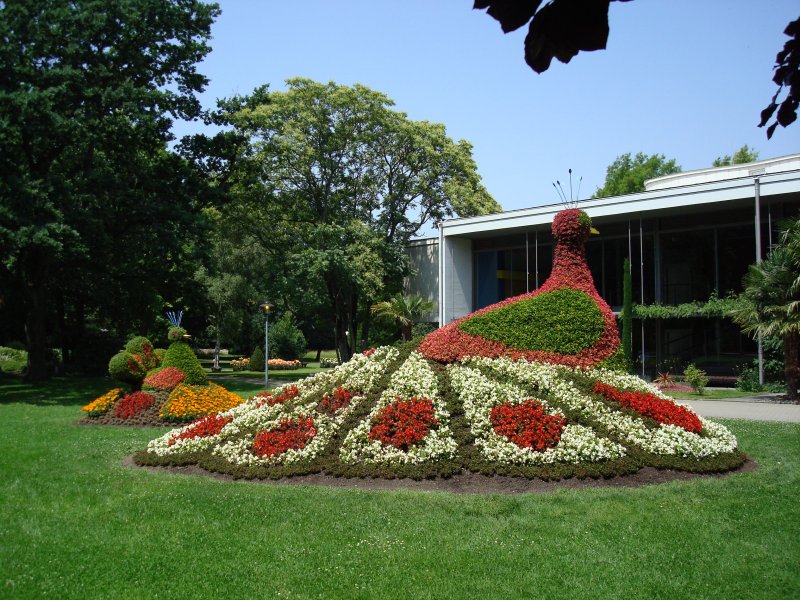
(463, 483)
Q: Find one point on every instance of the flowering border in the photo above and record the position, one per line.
(480, 394)
(667, 440)
(414, 378)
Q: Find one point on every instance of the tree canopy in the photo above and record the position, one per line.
(743, 155)
(332, 182)
(96, 215)
(627, 174)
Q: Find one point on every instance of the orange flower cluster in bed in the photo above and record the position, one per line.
(189, 402)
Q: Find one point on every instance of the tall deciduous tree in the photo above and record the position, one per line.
(333, 182)
(88, 191)
(627, 174)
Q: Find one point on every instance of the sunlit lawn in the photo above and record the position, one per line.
(76, 523)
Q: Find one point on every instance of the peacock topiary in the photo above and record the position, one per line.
(565, 321)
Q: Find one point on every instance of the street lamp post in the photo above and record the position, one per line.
(267, 308)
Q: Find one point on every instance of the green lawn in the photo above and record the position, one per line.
(76, 523)
(712, 394)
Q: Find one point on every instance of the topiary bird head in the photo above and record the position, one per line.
(572, 226)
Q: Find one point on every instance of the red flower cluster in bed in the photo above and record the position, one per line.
(404, 423)
(333, 403)
(204, 427)
(527, 425)
(166, 379)
(649, 405)
(570, 270)
(287, 393)
(290, 434)
(132, 404)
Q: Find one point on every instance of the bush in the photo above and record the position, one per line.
(257, 360)
(568, 321)
(12, 360)
(180, 356)
(286, 340)
(126, 368)
(176, 334)
(696, 378)
(328, 362)
(142, 347)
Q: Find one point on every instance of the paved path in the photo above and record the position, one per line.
(745, 408)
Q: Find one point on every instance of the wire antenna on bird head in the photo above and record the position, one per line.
(568, 202)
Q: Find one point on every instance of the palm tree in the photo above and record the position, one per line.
(772, 292)
(404, 310)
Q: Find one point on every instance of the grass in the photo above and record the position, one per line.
(76, 523)
(712, 394)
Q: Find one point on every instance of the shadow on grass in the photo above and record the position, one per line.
(64, 391)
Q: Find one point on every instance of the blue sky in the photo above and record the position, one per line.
(683, 78)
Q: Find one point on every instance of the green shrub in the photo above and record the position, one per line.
(125, 368)
(696, 378)
(616, 362)
(12, 360)
(257, 360)
(143, 348)
(160, 352)
(176, 334)
(747, 381)
(181, 356)
(568, 321)
(286, 341)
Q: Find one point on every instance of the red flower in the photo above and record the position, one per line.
(369, 351)
(527, 425)
(404, 423)
(132, 404)
(290, 434)
(288, 393)
(204, 427)
(649, 405)
(166, 379)
(331, 404)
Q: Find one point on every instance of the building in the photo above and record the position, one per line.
(690, 236)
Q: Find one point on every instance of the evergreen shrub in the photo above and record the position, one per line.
(125, 368)
(569, 321)
(181, 356)
(257, 360)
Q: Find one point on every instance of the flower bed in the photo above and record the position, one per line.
(132, 404)
(649, 405)
(414, 379)
(189, 402)
(164, 379)
(284, 365)
(527, 425)
(289, 434)
(101, 405)
(386, 416)
(404, 423)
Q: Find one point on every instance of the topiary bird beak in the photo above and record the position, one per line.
(594, 231)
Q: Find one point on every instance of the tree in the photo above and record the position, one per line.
(743, 155)
(404, 310)
(332, 183)
(88, 92)
(626, 175)
(772, 292)
(787, 75)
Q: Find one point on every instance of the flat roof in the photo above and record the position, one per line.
(734, 189)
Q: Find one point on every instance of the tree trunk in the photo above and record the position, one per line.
(791, 359)
(36, 334)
